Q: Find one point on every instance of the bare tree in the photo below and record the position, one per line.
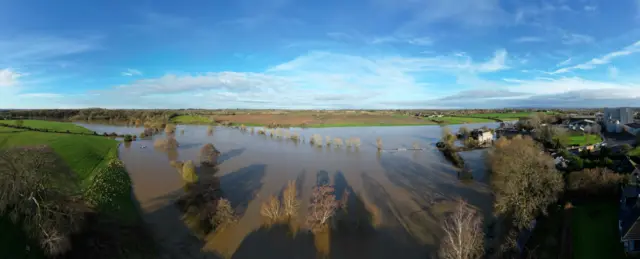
(322, 207)
(37, 192)
(271, 209)
(290, 202)
(524, 180)
(463, 235)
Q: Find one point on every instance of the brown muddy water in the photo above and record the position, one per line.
(403, 195)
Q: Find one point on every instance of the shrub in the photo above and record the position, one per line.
(166, 143)
(596, 182)
(170, 128)
(252, 131)
(338, 142)
(290, 202)
(142, 135)
(379, 143)
(261, 132)
(463, 131)
(109, 184)
(271, 209)
(209, 155)
(295, 137)
(243, 127)
(189, 172)
(328, 140)
(177, 165)
(625, 148)
(355, 142)
(134, 137)
(210, 130)
(128, 138)
(316, 139)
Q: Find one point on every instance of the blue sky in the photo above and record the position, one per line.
(319, 54)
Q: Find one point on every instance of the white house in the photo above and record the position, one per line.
(482, 136)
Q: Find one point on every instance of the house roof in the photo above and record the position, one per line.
(634, 125)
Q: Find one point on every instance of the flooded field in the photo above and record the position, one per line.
(403, 195)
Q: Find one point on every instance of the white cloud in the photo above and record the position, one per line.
(528, 39)
(132, 72)
(496, 63)
(606, 59)
(613, 72)
(590, 8)
(574, 38)
(8, 77)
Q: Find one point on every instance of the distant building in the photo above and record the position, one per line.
(615, 118)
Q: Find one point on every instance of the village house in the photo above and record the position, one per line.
(482, 136)
(629, 218)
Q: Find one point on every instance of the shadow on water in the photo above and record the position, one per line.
(241, 186)
(322, 178)
(351, 235)
(230, 154)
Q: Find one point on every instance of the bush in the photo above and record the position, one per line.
(328, 140)
(379, 143)
(189, 172)
(110, 184)
(209, 155)
(316, 139)
(128, 138)
(597, 182)
(167, 143)
(170, 128)
(625, 148)
(338, 142)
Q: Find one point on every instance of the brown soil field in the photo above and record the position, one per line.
(325, 119)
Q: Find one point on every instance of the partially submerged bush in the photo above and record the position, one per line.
(170, 128)
(379, 143)
(338, 142)
(261, 132)
(189, 172)
(210, 130)
(316, 139)
(209, 155)
(355, 142)
(295, 137)
(166, 143)
(328, 140)
(128, 138)
(38, 192)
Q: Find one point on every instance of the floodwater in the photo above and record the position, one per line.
(401, 197)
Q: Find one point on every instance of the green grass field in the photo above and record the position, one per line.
(595, 231)
(634, 152)
(86, 156)
(191, 119)
(463, 120)
(583, 140)
(501, 116)
(50, 125)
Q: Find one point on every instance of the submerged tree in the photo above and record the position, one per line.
(224, 215)
(463, 235)
(209, 155)
(379, 144)
(322, 207)
(290, 202)
(271, 209)
(189, 172)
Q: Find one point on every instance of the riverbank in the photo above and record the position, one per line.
(113, 219)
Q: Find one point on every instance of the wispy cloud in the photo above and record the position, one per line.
(606, 59)
(132, 72)
(28, 49)
(528, 39)
(574, 38)
(421, 41)
(590, 8)
(498, 62)
(41, 95)
(389, 39)
(8, 77)
(613, 72)
(565, 62)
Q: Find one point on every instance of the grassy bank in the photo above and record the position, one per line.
(595, 231)
(102, 180)
(191, 119)
(50, 125)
